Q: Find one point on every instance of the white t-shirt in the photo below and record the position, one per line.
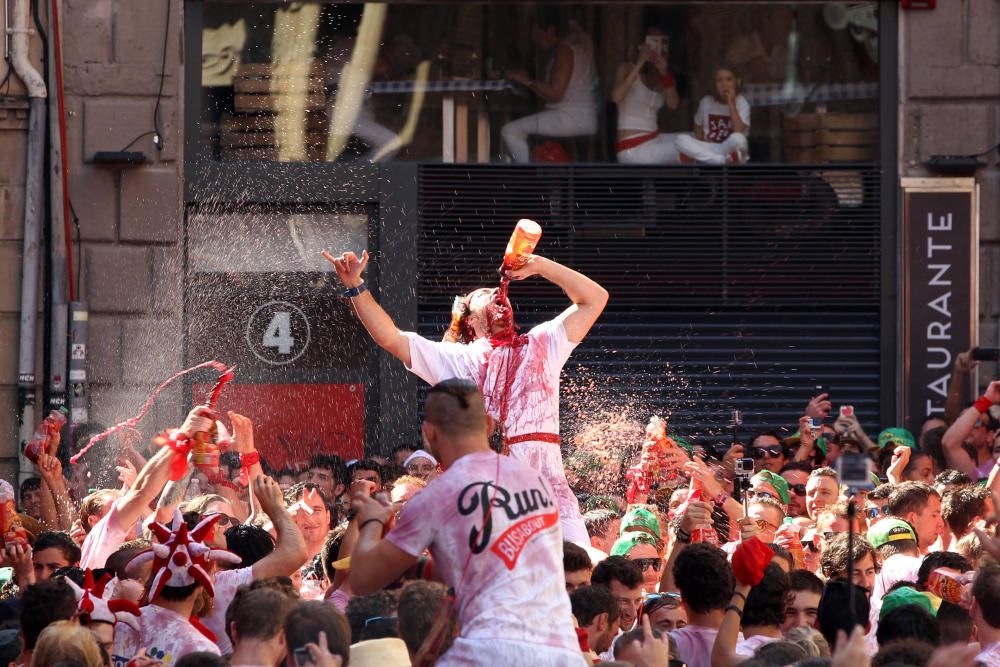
(694, 644)
(990, 655)
(512, 586)
(896, 568)
(713, 117)
(103, 539)
(226, 583)
(533, 406)
(749, 646)
(164, 633)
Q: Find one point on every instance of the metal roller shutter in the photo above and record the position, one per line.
(740, 287)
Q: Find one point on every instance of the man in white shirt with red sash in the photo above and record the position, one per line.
(517, 374)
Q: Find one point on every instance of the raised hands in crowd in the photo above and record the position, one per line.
(900, 565)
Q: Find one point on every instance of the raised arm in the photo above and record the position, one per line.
(375, 562)
(290, 548)
(156, 473)
(378, 323)
(724, 649)
(587, 296)
(953, 404)
(956, 434)
(55, 496)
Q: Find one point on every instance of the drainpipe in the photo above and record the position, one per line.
(59, 259)
(34, 207)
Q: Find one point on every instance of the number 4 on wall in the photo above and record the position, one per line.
(279, 332)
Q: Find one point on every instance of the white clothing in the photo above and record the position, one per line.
(533, 399)
(569, 122)
(500, 652)
(639, 108)
(492, 526)
(713, 117)
(572, 116)
(103, 539)
(226, 584)
(707, 152)
(660, 150)
(164, 633)
(694, 644)
(582, 87)
(748, 647)
(896, 568)
(720, 140)
(990, 655)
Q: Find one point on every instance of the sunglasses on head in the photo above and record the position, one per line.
(773, 451)
(653, 601)
(224, 519)
(873, 512)
(753, 493)
(646, 563)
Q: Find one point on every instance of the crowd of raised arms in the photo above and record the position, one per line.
(624, 544)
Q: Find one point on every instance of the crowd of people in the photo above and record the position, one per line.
(474, 549)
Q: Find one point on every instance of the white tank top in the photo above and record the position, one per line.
(639, 108)
(580, 92)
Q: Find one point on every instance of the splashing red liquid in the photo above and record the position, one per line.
(226, 374)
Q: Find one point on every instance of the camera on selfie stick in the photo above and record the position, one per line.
(854, 472)
(742, 472)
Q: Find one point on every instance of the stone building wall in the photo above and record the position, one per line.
(130, 219)
(950, 105)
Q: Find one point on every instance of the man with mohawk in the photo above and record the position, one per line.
(182, 570)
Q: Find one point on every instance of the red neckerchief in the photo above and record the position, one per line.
(196, 622)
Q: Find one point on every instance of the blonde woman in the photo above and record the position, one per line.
(67, 642)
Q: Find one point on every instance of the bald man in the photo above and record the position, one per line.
(492, 526)
(518, 374)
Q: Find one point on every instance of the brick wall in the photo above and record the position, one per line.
(950, 80)
(130, 219)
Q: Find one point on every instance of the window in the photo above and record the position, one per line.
(539, 82)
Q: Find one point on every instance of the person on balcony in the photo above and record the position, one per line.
(640, 91)
(568, 88)
(721, 124)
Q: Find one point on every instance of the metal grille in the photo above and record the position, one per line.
(741, 287)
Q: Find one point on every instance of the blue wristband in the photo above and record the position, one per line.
(355, 291)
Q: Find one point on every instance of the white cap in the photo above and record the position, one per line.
(419, 454)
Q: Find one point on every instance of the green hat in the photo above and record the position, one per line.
(684, 443)
(640, 519)
(904, 596)
(624, 544)
(896, 436)
(890, 530)
(775, 480)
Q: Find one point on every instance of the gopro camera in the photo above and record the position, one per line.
(743, 468)
(854, 471)
(742, 472)
(815, 425)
